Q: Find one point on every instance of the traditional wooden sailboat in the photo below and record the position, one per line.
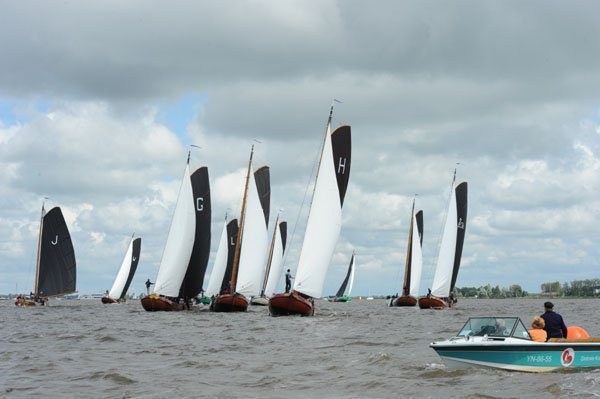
(414, 261)
(125, 275)
(251, 243)
(274, 264)
(339, 296)
(441, 294)
(323, 226)
(183, 264)
(56, 271)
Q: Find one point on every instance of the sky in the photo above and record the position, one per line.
(100, 101)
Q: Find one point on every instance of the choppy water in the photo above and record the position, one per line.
(360, 349)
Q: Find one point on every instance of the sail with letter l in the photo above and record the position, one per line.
(254, 238)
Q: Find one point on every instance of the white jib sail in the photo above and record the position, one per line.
(322, 229)
(276, 265)
(219, 267)
(254, 245)
(416, 265)
(117, 288)
(352, 275)
(445, 264)
(180, 242)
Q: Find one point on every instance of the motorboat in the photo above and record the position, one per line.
(505, 343)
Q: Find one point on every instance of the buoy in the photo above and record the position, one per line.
(574, 332)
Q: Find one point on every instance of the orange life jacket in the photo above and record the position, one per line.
(538, 335)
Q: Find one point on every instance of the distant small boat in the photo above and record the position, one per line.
(125, 275)
(56, 270)
(251, 243)
(414, 262)
(274, 264)
(505, 343)
(323, 226)
(339, 296)
(453, 237)
(185, 257)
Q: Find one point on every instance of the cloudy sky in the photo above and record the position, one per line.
(99, 101)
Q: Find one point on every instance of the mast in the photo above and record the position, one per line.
(238, 241)
(327, 129)
(406, 285)
(270, 256)
(37, 261)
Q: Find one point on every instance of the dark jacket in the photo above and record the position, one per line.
(555, 326)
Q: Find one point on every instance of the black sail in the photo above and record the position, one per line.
(136, 248)
(419, 217)
(232, 232)
(263, 186)
(342, 148)
(461, 226)
(283, 232)
(345, 283)
(57, 267)
(194, 276)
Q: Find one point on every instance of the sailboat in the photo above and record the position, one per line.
(441, 294)
(274, 264)
(56, 271)
(251, 243)
(185, 257)
(414, 261)
(125, 275)
(339, 296)
(323, 226)
(220, 276)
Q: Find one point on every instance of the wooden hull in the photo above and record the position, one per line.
(433, 302)
(107, 299)
(289, 304)
(260, 301)
(155, 303)
(229, 303)
(27, 302)
(404, 301)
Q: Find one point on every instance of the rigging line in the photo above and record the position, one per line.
(310, 178)
(441, 233)
(316, 162)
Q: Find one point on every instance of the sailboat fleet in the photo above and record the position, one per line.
(248, 264)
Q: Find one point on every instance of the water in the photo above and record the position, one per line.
(361, 349)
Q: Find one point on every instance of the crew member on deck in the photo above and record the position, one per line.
(148, 284)
(288, 281)
(537, 332)
(555, 326)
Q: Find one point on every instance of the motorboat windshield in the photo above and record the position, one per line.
(502, 327)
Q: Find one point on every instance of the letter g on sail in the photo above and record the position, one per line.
(55, 240)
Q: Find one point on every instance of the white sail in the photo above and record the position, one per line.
(322, 229)
(352, 275)
(276, 264)
(445, 263)
(119, 284)
(253, 246)
(219, 267)
(180, 242)
(416, 260)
